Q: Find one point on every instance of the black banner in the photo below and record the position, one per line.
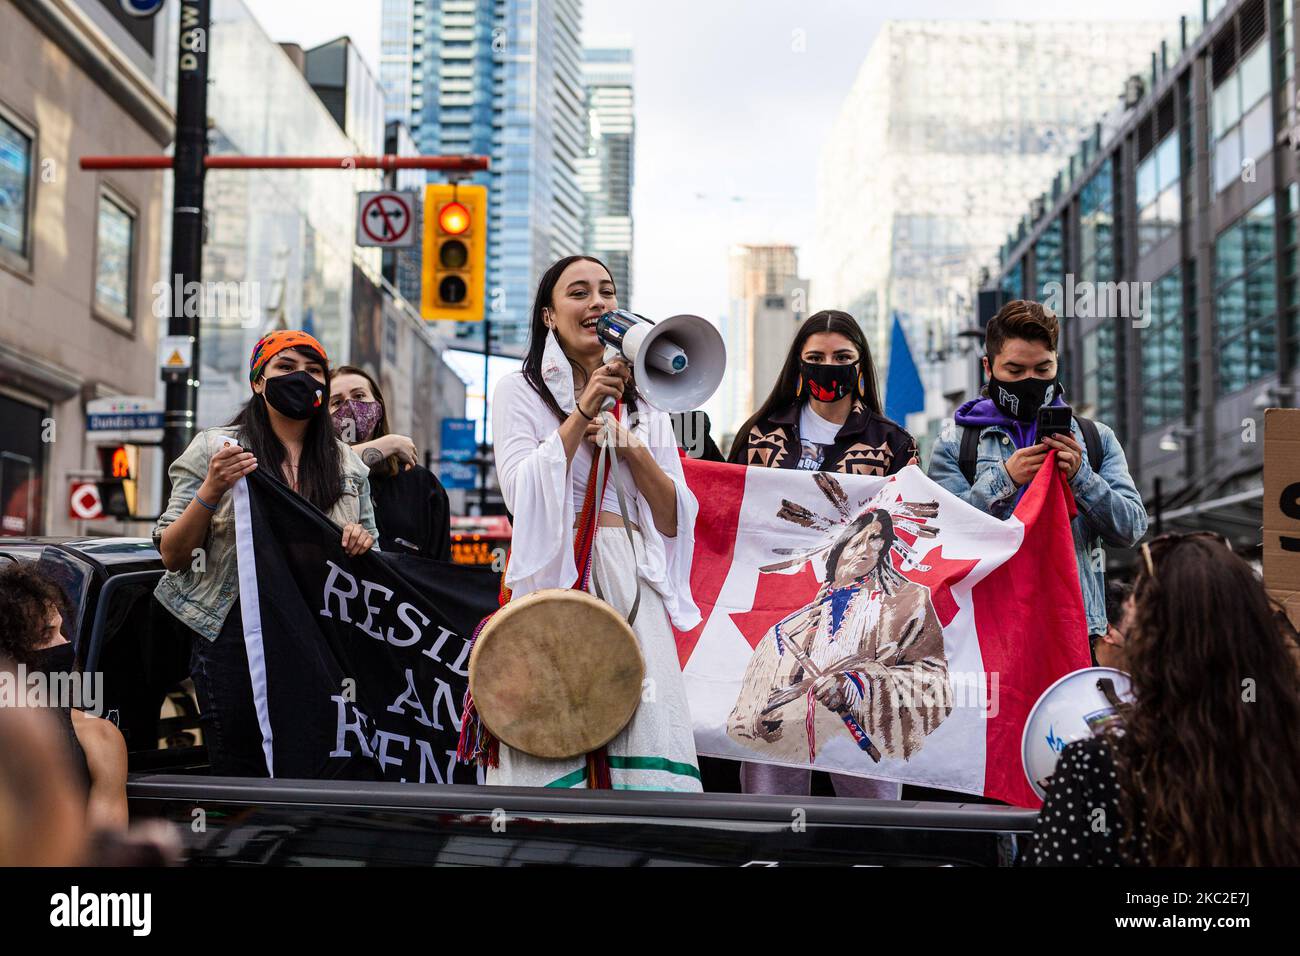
(360, 667)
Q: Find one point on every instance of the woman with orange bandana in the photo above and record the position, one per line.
(284, 428)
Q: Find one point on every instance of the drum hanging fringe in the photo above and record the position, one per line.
(477, 744)
(598, 776)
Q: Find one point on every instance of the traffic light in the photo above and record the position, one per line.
(455, 252)
(117, 485)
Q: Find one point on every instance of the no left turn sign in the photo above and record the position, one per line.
(385, 219)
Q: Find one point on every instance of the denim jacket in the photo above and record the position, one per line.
(202, 594)
(1110, 508)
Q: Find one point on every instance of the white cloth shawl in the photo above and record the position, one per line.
(539, 485)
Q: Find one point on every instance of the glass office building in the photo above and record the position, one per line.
(1182, 207)
(922, 176)
(606, 171)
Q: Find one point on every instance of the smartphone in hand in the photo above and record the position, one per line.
(1053, 420)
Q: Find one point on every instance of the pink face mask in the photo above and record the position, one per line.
(355, 420)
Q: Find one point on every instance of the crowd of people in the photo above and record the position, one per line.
(1201, 771)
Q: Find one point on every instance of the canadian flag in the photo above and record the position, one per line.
(880, 627)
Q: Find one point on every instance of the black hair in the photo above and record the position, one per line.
(784, 394)
(537, 331)
(26, 598)
(320, 469)
(1117, 592)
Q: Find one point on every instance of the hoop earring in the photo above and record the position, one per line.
(862, 386)
(798, 390)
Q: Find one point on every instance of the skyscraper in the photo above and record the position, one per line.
(766, 302)
(922, 177)
(605, 173)
(500, 78)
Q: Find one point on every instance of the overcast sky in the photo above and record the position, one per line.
(731, 111)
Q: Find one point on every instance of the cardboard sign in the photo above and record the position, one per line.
(1282, 508)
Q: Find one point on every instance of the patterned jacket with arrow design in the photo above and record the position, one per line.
(867, 443)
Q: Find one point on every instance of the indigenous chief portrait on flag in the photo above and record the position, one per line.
(877, 626)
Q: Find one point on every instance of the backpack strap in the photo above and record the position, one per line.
(968, 456)
(1091, 441)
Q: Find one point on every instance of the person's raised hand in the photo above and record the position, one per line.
(1069, 456)
(399, 445)
(1024, 464)
(606, 382)
(225, 468)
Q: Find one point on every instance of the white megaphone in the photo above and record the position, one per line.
(1081, 704)
(678, 363)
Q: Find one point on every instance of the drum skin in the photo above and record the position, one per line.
(556, 673)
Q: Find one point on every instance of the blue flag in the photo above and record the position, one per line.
(904, 392)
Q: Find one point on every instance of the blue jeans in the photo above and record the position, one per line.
(226, 710)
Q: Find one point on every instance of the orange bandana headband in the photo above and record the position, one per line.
(273, 343)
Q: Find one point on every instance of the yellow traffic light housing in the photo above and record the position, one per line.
(454, 283)
(118, 465)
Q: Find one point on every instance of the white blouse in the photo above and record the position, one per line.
(544, 493)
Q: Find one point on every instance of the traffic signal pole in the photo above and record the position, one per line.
(189, 165)
(181, 397)
(483, 449)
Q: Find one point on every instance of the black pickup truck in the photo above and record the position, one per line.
(142, 653)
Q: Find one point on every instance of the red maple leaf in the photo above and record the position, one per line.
(943, 574)
(776, 596)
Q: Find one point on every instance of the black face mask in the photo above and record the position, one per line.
(828, 383)
(59, 659)
(1022, 399)
(296, 395)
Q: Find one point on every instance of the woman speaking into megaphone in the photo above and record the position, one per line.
(548, 429)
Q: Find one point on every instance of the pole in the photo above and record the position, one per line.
(182, 388)
(1159, 504)
(386, 162)
(483, 449)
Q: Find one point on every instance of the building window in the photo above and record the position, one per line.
(1101, 373)
(1245, 301)
(1013, 280)
(1284, 18)
(114, 259)
(1159, 201)
(22, 467)
(1241, 117)
(1096, 226)
(15, 191)
(1291, 270)
(1162, 352)
(1049, 257)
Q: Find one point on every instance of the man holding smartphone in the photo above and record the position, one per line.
(993, 448)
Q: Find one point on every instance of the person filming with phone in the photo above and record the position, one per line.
(997, 442)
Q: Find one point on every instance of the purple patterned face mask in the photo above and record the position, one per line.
(355, 420)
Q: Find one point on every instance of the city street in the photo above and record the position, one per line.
(596, 433)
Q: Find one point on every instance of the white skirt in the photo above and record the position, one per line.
(656, 750)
